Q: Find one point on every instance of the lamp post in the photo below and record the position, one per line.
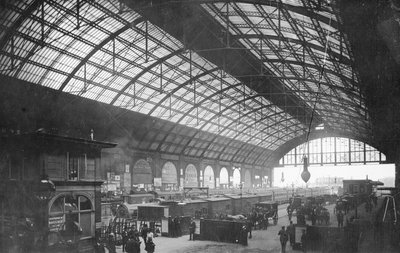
(241, 194)
(292, 189)
(45, 191)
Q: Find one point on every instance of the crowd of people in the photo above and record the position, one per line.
(130, 241)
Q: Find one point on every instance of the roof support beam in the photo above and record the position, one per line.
(14, 27)
(97, 48)
(246, 128)
(145, 70)
(197, 105)
(173, 92)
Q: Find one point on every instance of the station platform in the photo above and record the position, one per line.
(266, 241)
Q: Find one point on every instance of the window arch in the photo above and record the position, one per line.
(78, 207)
(224, 178)
(236, 177)
(169, 176)
(333, 150)
(209, 177)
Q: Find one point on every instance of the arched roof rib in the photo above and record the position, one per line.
(241, 76)
(269, 43)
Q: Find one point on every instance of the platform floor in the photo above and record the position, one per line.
(265, 241)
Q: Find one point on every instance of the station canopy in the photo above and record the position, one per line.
(242, 77)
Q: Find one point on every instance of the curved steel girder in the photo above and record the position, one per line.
(277, 139)
(340, 58)
(175, 90)
(273, 3)
(308, 65)
(213, 117)
(194, 107)
(97, 48)
(261, 119)
(180, 86)
(321, 36)
(283, 136)
(316, 116)
(345, 90)
(14, 27)
(334, 117)
(323, 94)
(333, 104)
(34, 50)
(160, 60)
(293, 24)
(299, 140)
(244, 129)
(296, 125)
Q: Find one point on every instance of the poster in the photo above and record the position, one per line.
(157, 182)
(298, 233)
(55, 223)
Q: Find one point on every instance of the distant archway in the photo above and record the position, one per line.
(236, 177)
(247, 179)
(142, 173)
(209, 180)
(169, 177)
(223, 178)
(191, 176)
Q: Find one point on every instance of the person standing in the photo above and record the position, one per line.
(283, 238)
(291, 232)
(304, 241)
(192, 229)
(340, 217)
(132, 245)
(150, 246)
(145, 230)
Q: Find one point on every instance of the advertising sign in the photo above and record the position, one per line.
(157, 182)
(55, 223)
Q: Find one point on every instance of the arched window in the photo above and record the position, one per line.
(209, 177)
(78, 207)
(224, 178)
(247, 179)
(333, 150)
(191, 176)
(236, 177)
(169, 177)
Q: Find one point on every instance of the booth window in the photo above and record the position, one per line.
(80, 167)
(79, 208)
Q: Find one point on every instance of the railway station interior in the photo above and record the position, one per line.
(196, 116)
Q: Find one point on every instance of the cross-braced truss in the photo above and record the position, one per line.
(297, 70)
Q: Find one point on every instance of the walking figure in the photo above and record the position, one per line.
(192, 229)
(283, 237)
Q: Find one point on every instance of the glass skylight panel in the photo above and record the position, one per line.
(94, 35)
(32, 73)
(65, 63)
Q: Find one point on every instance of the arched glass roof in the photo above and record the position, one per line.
(106, 51)
(332, 150)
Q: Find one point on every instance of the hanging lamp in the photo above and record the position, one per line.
(305, 175)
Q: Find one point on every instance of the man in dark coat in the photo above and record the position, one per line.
(291, 232)
(150, 246)
(192, 229)
(133, 244)
(145, 230)
(283, 238)
(304, 241)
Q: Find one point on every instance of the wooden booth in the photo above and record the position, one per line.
(50, 192)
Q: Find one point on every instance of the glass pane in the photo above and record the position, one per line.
(86, 224)
(84, 203)
(71, 203)
(57, 205)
